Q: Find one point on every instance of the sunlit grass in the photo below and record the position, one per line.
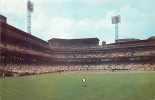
(68, 86)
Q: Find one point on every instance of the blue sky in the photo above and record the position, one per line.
(83, 18)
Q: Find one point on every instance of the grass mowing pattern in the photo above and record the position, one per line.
(68, 86)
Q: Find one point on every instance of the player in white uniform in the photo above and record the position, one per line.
(84, 84)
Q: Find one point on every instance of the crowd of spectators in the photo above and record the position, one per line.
(35, 69)
(105, 55)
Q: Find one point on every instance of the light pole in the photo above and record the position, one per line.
(116, 20)
(30, 9)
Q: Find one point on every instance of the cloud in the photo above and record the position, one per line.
(93, 2)
(82, 18)
(15, 7)
(134, 21)
(64, 27)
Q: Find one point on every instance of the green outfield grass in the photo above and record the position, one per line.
(68, 86)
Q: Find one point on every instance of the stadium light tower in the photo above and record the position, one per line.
(29, 12)
(116, 20)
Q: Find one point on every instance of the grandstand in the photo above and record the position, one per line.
(24, 53)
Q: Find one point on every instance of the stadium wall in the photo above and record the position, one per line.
(18, 47)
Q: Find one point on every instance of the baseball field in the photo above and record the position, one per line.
(68, 86)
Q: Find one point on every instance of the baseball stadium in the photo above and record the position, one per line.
(34, 69)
